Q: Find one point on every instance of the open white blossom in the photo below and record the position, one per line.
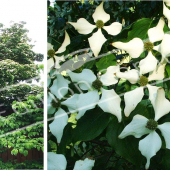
(58, 90)
(140, 126)
(100, 18)
(59, 162)
(136, 46)
(54, 60)
(60, 116)
(109, 102)
(132, 98)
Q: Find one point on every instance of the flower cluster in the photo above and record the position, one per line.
(100, 91)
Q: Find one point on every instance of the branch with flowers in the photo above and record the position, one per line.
(108, 88)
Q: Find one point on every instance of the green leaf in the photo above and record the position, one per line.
(140, 29)
(66, 139)
(25, 153)
(165, 160)
(128, 147)
(106, 61)
(91, 125)
(14, 152)
(168, 69)
(21, 150)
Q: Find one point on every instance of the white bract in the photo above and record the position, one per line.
(86, 164)
(167, 2)
(51, 53)
(109, 78)
(59, 162)
(56, 161)
(163, 48)
(140, 126)
(166, 11)
(100, 18)
(109, 102)
(132, 98)
(136, 46)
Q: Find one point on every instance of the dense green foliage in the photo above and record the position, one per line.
(14, 45)
(25, 165)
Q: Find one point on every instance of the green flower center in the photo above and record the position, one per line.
(143, 81)
(148, 46)
(99, 24)
(56, 103)
(152, 124)
(97, 84)
(51, 53)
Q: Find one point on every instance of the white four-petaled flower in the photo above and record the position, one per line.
(132, 98)
(140, 126)
(100, 18)
(109, 101)
(136, 46)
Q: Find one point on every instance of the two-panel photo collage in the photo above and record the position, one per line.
(85, 84)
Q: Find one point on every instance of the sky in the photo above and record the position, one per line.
(34, 13)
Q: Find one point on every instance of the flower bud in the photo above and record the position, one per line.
(97, 84)
(148, 46)
(152, 124)
(51, 53)
(99, 24)
(143, 81)
(56, 103)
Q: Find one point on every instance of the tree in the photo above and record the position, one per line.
(17, 64)
(21, 126)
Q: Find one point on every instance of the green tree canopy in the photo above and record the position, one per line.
(15, 45)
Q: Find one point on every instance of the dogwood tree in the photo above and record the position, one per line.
(21, 102)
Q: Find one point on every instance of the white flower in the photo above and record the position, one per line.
(56, 161)
(51, 53)
(61, 117)
(140, 126)
(166, 11)
(109, 102)
(59, 88)
(59, 162)
(136, 46)
(100, 18)
(132, 98)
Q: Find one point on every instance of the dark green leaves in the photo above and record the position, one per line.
(106, 61)
(91, 125)
(128, 147)
(140, 29)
